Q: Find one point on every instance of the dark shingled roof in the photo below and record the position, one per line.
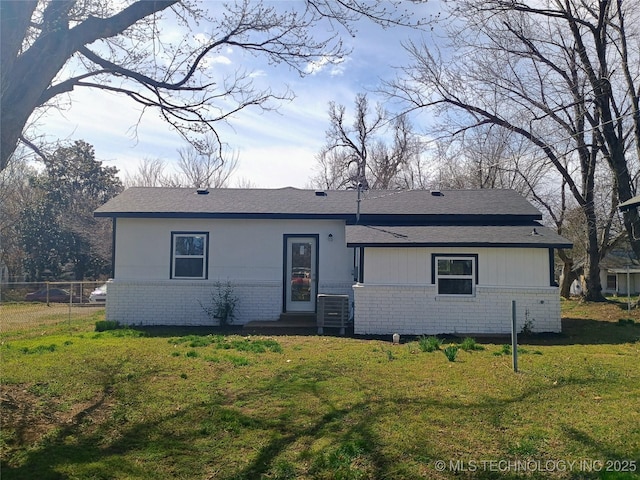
(379, 206)
(454, 235)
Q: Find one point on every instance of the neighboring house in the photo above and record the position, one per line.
(413, 262)
(618, 269)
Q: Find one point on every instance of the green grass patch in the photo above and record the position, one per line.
(39, 349)
(451, 352)
(429, 344)
(469, 344)
(106, 405)
(104, 325)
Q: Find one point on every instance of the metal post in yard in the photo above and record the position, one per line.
(70, 302)
(48, 294)
(628, 289)
(514, 336)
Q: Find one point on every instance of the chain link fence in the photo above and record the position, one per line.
(30, 304)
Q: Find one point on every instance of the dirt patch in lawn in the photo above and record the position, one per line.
(28, 418)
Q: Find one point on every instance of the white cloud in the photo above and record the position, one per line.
(258, 73)
(220, 59)
(276, 166)
(313, 68)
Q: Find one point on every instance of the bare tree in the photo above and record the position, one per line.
(49, 48)
(373, 151)
(150, 173)
(244, 182)
(206, 167)
(556, 73)
(194, 168)
(489, 157)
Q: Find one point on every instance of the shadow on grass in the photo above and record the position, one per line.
(575, 331)
(578, 331)
(289, 424)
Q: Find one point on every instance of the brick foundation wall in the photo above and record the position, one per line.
(161, 302)
(415, 310)
(177, 303)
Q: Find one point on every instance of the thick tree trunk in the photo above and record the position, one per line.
(27, 76)
(568, 275)
(593, 288)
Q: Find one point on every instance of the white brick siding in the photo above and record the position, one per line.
(165, 302)
(414, 310)
(177, 302)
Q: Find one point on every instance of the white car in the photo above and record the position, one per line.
(99, 295)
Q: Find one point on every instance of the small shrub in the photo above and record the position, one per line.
(390, 355)
(183, 376)
(223, 304)
(429, 344)
(451, 352)
(469, 344)
(506, 349)
(527, 328)
(192, 354)
(104, 325)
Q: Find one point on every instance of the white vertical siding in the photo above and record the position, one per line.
(248, 253)
(496, 266)
(238, 249)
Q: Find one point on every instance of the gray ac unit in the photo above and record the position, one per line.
(333, 312)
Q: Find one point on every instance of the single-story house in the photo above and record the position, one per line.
(618, 269)
(412, 262)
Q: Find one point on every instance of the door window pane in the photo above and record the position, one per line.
(301, 271)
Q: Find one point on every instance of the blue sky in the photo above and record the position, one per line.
(276, 148)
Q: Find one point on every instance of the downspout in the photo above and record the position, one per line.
(113, 247)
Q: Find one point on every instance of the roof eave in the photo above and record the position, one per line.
(458, 244)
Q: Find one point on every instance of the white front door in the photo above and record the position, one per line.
(300, 274)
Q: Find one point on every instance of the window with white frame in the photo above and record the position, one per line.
(455, 275)
(189, 251)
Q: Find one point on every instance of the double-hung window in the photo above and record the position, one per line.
(455, 275)
(189, 252)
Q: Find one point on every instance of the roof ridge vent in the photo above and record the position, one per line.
(436, 193)
(321, 193)
(202, 191)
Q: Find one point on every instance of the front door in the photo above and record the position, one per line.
(300, 274)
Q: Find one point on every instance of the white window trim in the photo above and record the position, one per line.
(472, 276)
(204, 256)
